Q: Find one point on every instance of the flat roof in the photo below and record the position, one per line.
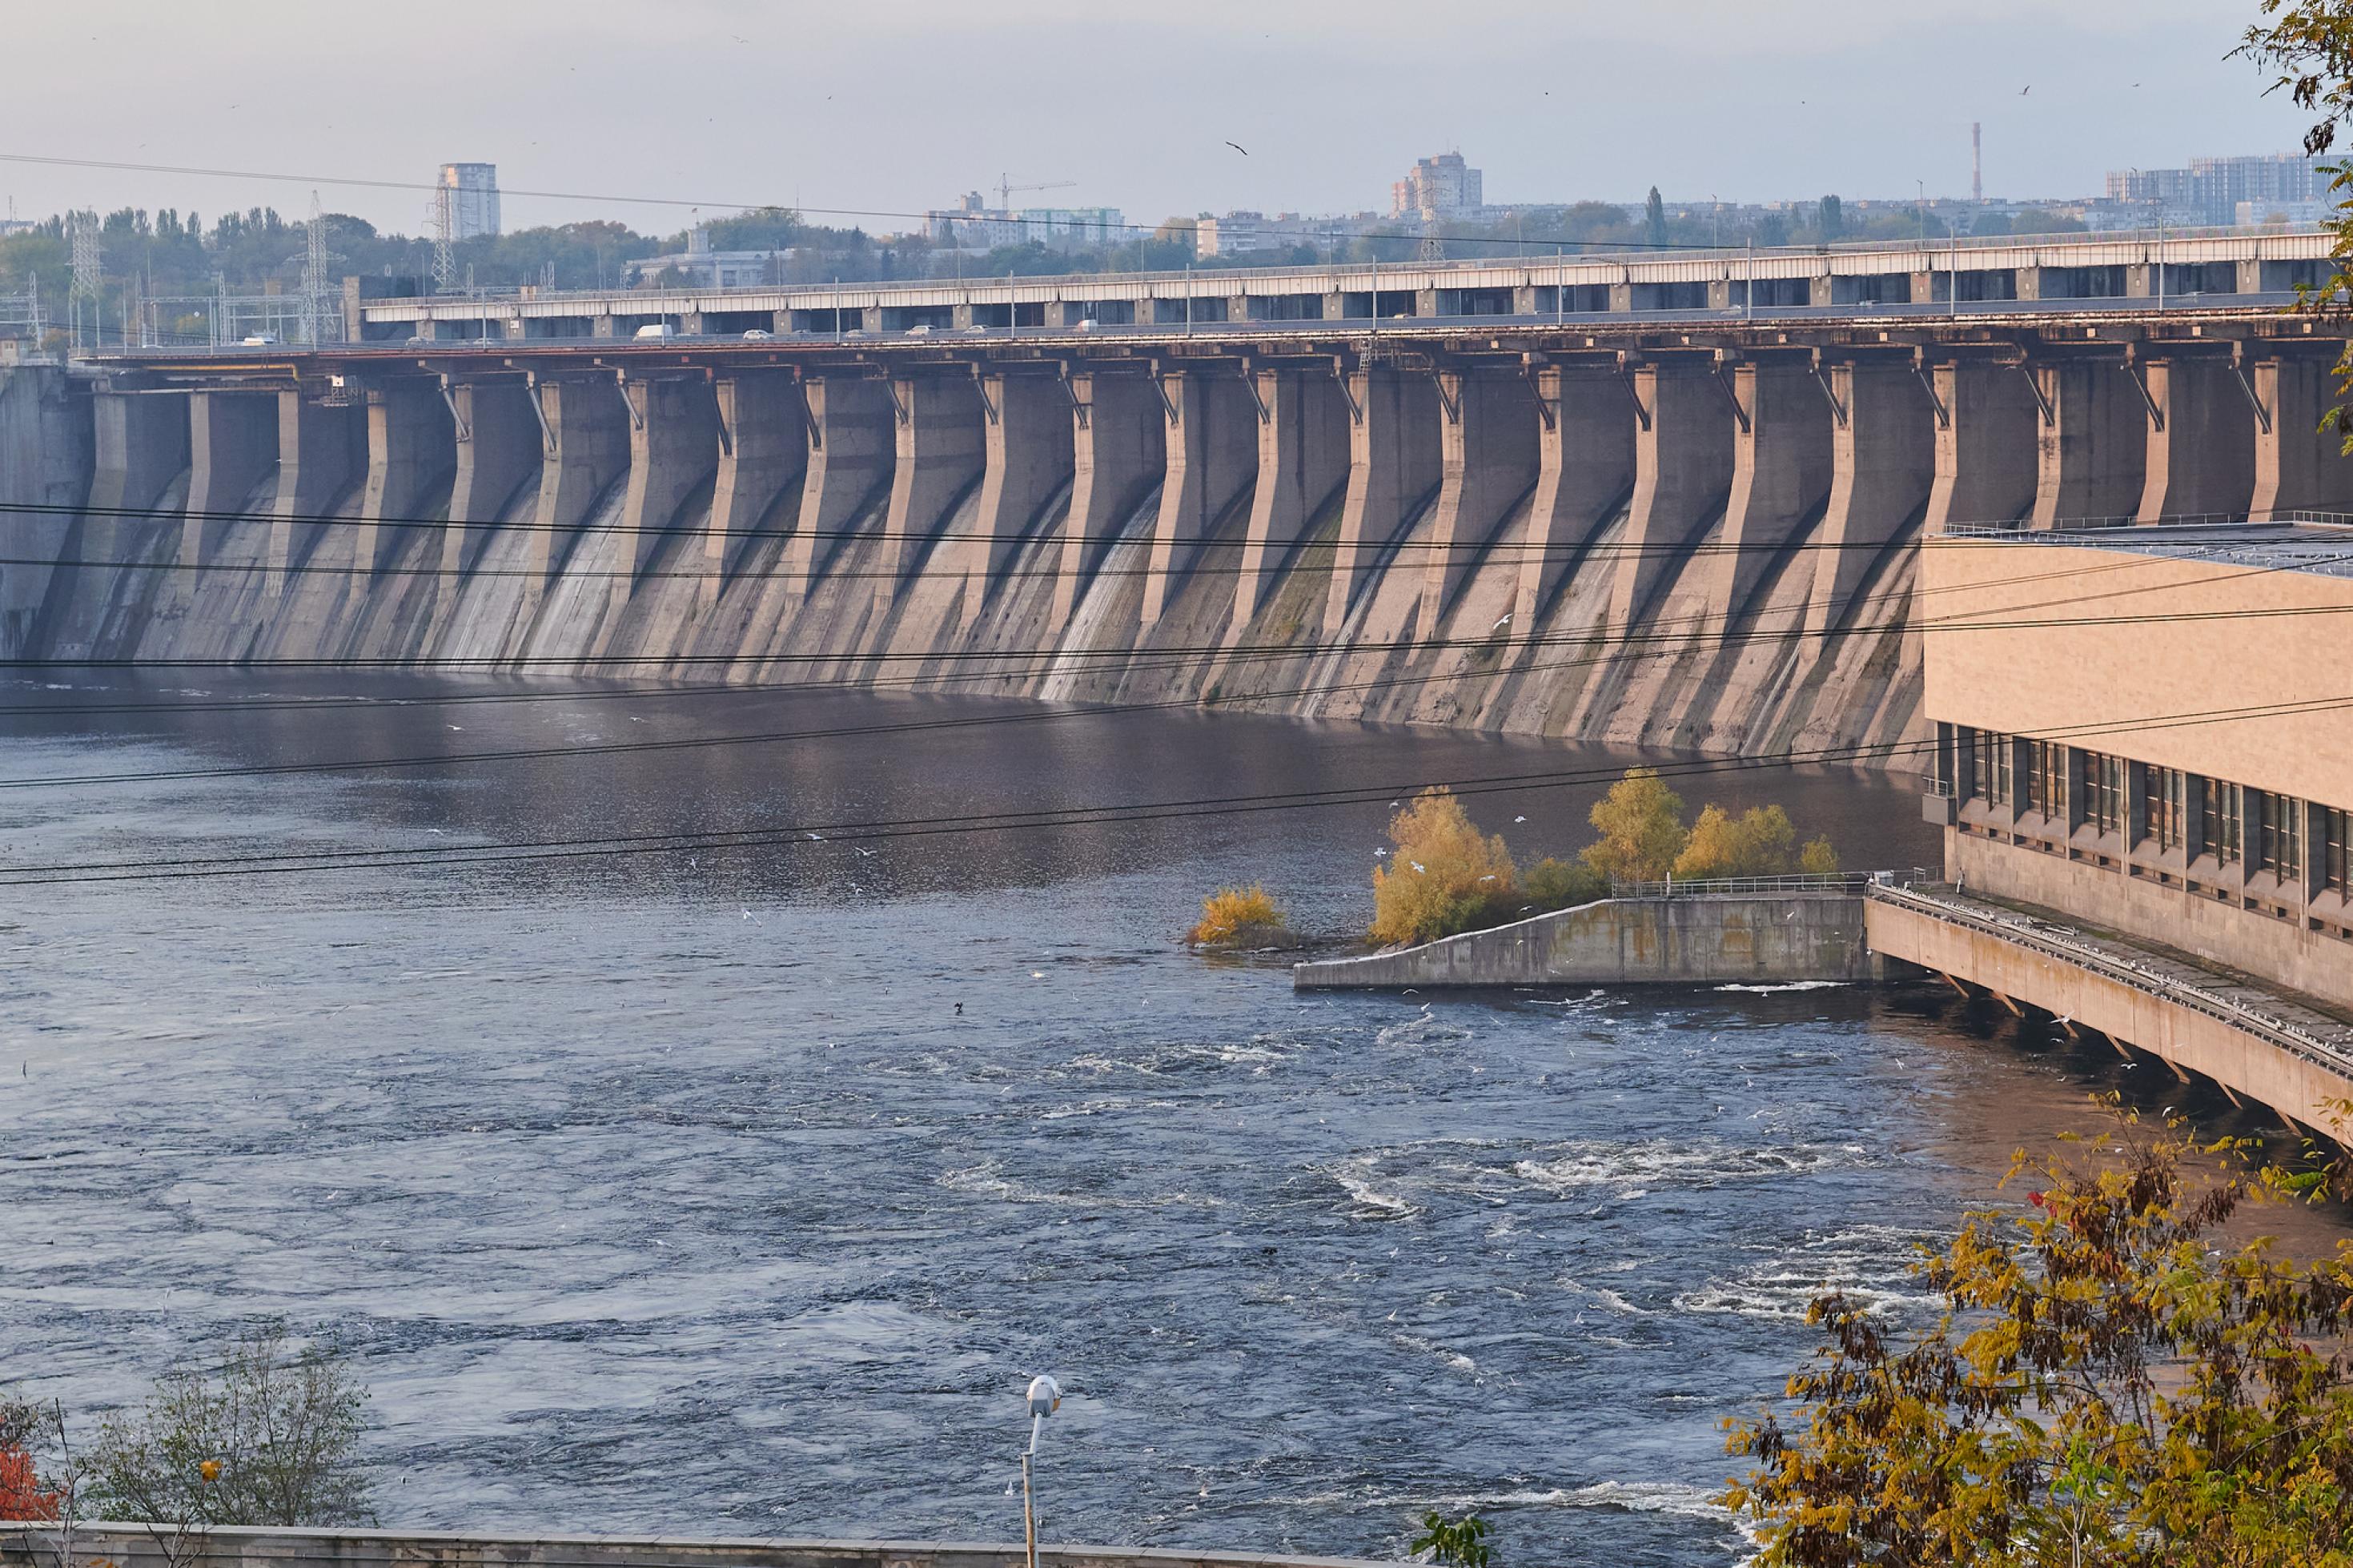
(2319, 546)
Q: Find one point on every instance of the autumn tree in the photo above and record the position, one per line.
(1757, 843)
(2108, 1383)
(1640, 821)
(1442, 875)
(22, 1495)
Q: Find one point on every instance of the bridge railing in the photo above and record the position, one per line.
(1849, 882)
(2024, 930)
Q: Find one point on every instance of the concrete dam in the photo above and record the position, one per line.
(1559, 497)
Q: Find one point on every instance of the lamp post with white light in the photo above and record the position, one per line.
(1045, 1398)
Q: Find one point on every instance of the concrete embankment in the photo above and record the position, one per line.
(1764, 939)
(133, 1546)
(915, 546)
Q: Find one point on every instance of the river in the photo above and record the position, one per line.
(740, 1189)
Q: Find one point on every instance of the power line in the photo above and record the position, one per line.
(185, 867)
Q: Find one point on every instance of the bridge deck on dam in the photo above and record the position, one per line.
(1696, 528)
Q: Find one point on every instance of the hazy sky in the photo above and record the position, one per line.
(901, 104)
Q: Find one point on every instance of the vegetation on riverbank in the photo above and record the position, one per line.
(1441, 877)
(2106, 1382)
(1242, 918)
(267, 1435)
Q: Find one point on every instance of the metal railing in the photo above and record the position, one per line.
(2024, 930)
(1848, 883)
(2059, 529)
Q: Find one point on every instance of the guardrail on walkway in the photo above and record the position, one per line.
(1794, 882)
(2023, 931)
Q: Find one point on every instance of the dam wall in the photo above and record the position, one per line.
(1704, 542)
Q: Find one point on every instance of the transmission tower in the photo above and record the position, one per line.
(84, 225)
(315, 276)
(441, 216)
(1432, 247)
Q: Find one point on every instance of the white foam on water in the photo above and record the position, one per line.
(1867, 1264)
(1641, 1167)
(1786, 985)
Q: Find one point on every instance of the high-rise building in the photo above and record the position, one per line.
(471, 191)
(2213, 190)
(1440, 188)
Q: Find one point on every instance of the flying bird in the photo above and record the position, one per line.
(2027, 89)
(1239, 148)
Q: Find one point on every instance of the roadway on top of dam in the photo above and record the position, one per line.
(1991, 324)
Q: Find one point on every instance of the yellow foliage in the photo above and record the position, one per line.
(1753, 844)
(1231, 912)
(1640, 821)
(1442, 875)
(1818, 857)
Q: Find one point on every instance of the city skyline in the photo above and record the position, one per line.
(1537, 106)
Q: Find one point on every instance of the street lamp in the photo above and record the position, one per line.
(1045, 1398)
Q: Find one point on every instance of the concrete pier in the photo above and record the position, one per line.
(1028, 455)
(2090, 450)
(941, 451)
(763, 457)
(1486, 464)
(2201, 458)
(1585, 469)
(232, 445)
(2298, 466)
(1882, 457)
(411, 455)
(1302, 461)
(1393, 467)
(1780, 472)
(1212, 460)
(499, 452)
(1985, 457)
(589, 452)
(853, 449)
(141, 444)
(1120, 452)
(673, 453)
(322, 450)
(1683, 478)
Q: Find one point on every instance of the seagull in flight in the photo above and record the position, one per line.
(1239, 148)
(2027, 89)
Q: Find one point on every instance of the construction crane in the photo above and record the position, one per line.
(1006, 187)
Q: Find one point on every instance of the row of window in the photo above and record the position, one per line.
(2254, 829)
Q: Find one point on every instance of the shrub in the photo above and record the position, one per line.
(1233, 914)
(1818, 857)
(2113, 1378)
(1453, 1544)
(1555, 884)
(1443, 876)
(1641, 824)
(271, 1438)
(1755, 844)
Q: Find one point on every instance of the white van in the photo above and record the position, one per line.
(657, 329)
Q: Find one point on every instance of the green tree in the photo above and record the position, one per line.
(1830, 219)
(1453, 1543)
(2112, 1381)
(271, 1436)
(1555, 884)
(1640, 821)
(1654, 221)
(1818, 858)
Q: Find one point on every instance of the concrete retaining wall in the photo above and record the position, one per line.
(1769, 937)
(130, 1546)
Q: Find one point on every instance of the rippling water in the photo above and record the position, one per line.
(673, 1193)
